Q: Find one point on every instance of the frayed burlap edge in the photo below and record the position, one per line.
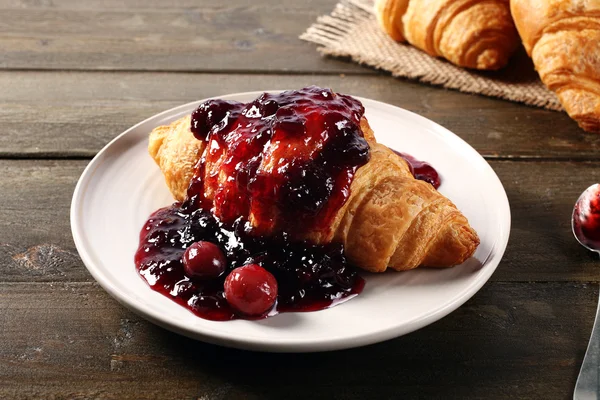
(351, 30)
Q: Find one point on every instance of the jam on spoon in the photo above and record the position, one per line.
(586, 218)
(586, 228)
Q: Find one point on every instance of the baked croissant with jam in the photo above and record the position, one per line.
(468, 33)
(306, 163)
(563, 39)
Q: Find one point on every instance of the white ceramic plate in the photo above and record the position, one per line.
(121, 187)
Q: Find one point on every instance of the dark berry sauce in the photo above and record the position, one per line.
(278, 160)
(421, 170)
(272, 171)
(586, 218)
(309, 277)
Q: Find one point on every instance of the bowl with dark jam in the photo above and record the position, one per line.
(239, 259)
(206, 255)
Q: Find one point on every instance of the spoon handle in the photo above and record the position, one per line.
(587, 386)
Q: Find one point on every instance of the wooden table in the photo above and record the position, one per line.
(74, 74)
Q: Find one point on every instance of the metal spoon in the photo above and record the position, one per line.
(588, 384)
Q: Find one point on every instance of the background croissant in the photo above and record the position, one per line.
(472, 34)
(390, 218)
(563, 39)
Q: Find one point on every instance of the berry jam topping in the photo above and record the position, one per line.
(280, 159)
(284, 160)
(204, 260)
(308, 277)
(421, 170)
(586, 217)
(251, 290)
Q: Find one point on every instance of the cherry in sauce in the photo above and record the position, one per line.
(251, 290)
(204, 260)
(309, 277)
(586, 218)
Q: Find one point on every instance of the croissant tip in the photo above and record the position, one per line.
(491, 59)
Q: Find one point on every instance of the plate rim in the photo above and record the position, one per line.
(284, 345)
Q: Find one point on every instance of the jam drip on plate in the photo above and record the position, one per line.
(309, 277)
(278, 160)
(421, 170)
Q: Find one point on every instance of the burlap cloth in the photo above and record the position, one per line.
(352, 31)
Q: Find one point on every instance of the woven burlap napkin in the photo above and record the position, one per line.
(352, 31)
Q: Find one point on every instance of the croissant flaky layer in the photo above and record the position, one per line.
(469, 33)
(389, 220)
(563, 39)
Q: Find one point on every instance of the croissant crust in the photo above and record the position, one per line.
(563, 39)
(390, 218)
(469, 33)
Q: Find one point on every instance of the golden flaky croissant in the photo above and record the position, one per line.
(563, 39)
(469, 33)
(389, 219)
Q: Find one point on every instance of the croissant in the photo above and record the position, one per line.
(468, 33)
(563, 39)
(389, 219)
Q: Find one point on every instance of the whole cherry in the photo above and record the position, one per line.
(204, 260)
(251, 290)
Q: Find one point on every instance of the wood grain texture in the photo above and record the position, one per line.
(36, 243)
(63, 337)
(175, 36)
(75, 114)
(512, 340)
(35, 234)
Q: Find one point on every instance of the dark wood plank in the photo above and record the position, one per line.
(236, 35)
(512, 340)
(86, 110)
(36, 243)
(541, 245)
(35, 235)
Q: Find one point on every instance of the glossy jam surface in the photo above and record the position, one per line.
(421, 170)
(586, 218)
(280, 159)
(309, 277)
(271, 171)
